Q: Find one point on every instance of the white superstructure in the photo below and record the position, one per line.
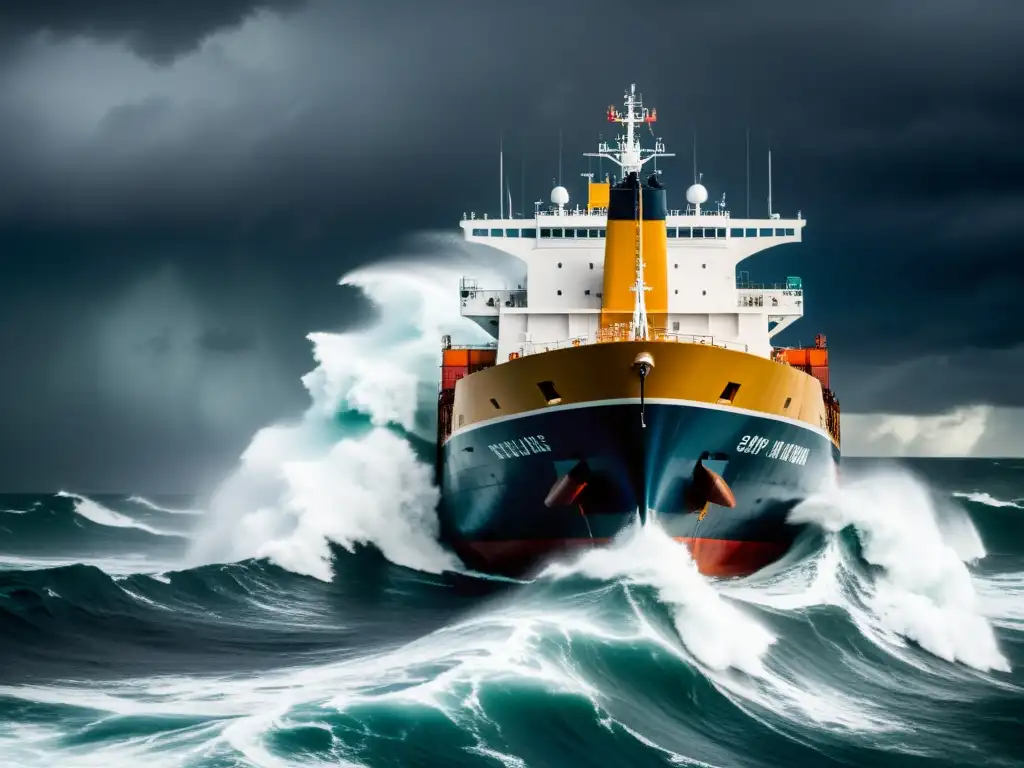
(558, 302)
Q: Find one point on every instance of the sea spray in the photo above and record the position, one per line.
(717, 634)
(921, 588)
(347, 471)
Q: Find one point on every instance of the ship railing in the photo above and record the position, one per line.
(691, 210)
(477, 303)
(792, 284)
(712, 341)
(772, 299)
(578, 211)
(613, 335)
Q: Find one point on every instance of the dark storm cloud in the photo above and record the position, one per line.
(170, 231)
(225, 341)
(158, 31)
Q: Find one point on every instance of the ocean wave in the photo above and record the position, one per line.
(626, 648)
(922, 589)
(96, 513)
(980, 497)
(152, 505)
(317, 620)
(363, 476)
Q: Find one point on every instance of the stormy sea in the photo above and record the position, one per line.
(304, 614)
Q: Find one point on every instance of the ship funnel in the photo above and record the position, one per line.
(636, 230)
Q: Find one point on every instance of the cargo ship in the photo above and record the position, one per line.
(632, 378)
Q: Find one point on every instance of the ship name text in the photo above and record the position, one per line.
(520, 447)
(779, 450)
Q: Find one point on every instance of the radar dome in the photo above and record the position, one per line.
(697, 194)
(559, 196)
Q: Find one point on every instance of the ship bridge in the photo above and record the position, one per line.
(559, 299)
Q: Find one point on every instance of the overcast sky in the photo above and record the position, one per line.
(180, 189)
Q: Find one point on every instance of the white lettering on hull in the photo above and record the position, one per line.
(520, 447)
(755, 445)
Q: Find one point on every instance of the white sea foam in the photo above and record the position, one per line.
(101, 515)
(981, 497)
(924, 590)
(144, 502)
(304, 485)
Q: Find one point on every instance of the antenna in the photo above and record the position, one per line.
(559, 156)
(769, 179)
(522, 175)
(748, 171)
(501, 175)
(695, 157)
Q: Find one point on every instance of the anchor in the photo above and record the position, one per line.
(643, 364)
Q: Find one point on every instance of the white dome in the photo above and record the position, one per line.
(697, 194)
(560, 196)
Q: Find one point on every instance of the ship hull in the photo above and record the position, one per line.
(497, 478)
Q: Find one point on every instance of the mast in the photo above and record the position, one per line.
(629, 156)
(501, 176)
(638, 330)
(627, 152)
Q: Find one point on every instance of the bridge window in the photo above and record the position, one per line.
(511, 233)
(545, 233)
(720, 233)
(556, 233)
(766, 233)
(581, 233)
(479, 233)
(497, 232)
(684, 232)
(530, 233)
(779, 232)
(790, 233)
(697, 232)
(671, 232)
(735, 232)
(751, 232)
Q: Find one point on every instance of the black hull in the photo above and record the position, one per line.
(496, 475)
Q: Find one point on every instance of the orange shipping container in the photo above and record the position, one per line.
(821, 374)
(802, 358)
(456, 357)
(452, 373)
(482, 357)
(797, 357)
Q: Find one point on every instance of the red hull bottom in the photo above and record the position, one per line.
(714, 557)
